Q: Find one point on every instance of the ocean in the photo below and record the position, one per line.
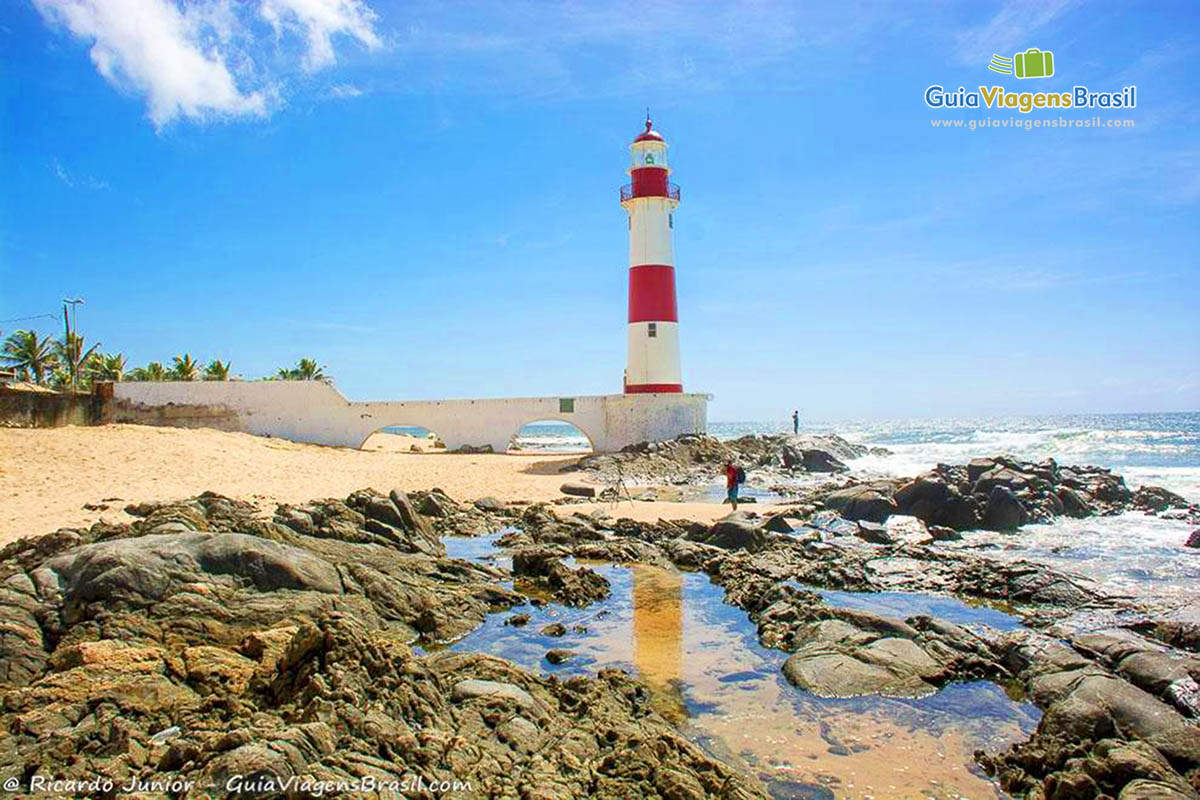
(1130, 554)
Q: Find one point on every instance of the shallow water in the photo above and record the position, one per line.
(703, 658)
(902, 605)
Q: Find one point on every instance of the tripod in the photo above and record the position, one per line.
(616, 487)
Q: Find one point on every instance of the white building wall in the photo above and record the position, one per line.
(315, 412)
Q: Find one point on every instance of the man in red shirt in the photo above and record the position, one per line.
(731, 484)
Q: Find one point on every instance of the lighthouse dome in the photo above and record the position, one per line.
(649, 135)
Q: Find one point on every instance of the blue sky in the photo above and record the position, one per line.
(423, 197)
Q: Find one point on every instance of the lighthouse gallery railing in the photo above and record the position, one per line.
(672, 192)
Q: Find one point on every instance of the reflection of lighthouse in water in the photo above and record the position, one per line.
(658, 626)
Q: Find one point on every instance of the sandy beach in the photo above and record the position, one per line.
(48, 476)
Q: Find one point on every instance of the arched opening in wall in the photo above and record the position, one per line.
(404, 439)
(549, 436)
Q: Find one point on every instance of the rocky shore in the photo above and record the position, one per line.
(205, 642)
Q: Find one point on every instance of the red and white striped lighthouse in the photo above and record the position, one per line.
(650, 200)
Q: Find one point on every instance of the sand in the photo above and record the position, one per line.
(47, 476)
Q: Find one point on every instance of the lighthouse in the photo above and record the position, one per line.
(650, 200)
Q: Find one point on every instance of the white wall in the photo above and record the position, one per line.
(313, 411)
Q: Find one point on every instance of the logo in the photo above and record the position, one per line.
(1033, 63)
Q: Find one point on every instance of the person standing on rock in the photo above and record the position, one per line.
(796, 422)
(732, 476)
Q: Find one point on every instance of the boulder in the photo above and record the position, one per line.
(874, 533)
(821, 461)
(977, 467)
(735, 532)
(861, 503)
(1004, 511)
(1193, 539)
(1000, 476)
(827, 671)
(1074, 502)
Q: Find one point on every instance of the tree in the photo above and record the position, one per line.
(73, 358)
(307, 370)
(216, 371)
(30, 354)
(186, 368)
(154, 371)
(109, 367)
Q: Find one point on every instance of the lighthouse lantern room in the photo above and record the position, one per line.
(650, 200)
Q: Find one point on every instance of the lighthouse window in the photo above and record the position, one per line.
(670, 220)
(652, 330)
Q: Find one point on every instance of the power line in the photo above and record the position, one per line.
(24, 319)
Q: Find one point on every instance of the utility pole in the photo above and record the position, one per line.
(69, 304)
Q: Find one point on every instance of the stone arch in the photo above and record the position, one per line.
(410, 429)
(591, 439)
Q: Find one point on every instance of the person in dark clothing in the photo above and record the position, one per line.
(731, 484)
(796, 422)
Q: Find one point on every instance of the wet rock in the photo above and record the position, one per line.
(554, 629)
(1004, 511)
(735, 532)
(940, 534)
(558, 656)
(1193, 539)
(517, 620)
(874, 533)
(862, 503)
(826, 671)
(573, 587)
(777, 523)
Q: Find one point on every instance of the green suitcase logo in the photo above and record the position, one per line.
(1033, 63)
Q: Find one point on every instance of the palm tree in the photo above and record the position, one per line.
(186, 368)
(285, 374)
(154, 371)
(108, 367)
(74, 357)
(307, 370)
(30, 354)
(216, 371)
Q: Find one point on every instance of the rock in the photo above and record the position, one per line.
(573, 587)
(874, 533)
(517, 620)
(907, 529)
(828, 672)
(490, 504)
(861, 503)
(558, 656)
(977, 467)
(154, 568)
(1004, 511)
(999, 476)
(734, 532)
(1193, 539)
(554, 629)
(578, 490)
(1074, 503)
(474, 689)
(777, 523)
(940, 534)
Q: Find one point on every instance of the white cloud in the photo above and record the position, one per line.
(73, 180)
(1010, 29)
(318, 21)
(345, 91)
(200, 60)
